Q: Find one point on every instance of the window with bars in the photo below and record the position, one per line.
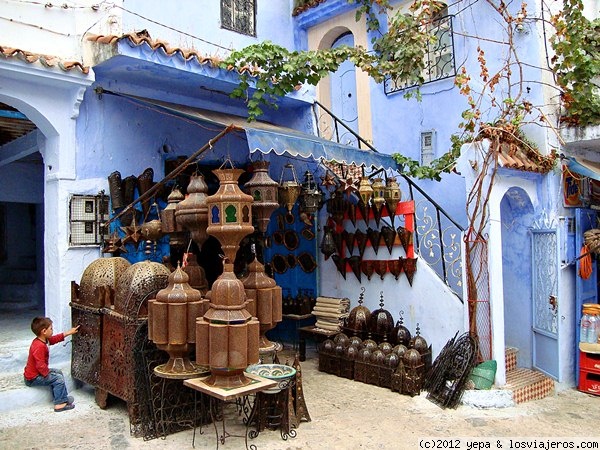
(439, 55)
(86, 215)
(239, 16)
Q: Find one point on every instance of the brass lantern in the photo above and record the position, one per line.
(378, 198)
(392, 195)
(289, 191)
(365, 190)
(311, 197)
(263, 190)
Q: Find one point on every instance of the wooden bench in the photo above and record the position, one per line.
(316, 334)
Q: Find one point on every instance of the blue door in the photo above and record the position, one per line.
(586, 291)
(343, 96)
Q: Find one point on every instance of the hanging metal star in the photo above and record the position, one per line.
(114, 245)
(328, 180)
(133, 233)
(349, 185)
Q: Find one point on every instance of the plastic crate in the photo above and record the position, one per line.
(589, 361)
(589, 382)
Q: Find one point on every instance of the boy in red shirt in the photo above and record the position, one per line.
(37, 372)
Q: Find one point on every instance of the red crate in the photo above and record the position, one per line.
(589, 361)
(589, 382)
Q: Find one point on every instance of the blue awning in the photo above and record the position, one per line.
(584, 167)
(266, 138)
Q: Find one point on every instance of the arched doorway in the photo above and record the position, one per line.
(344, 103)
(516, 214)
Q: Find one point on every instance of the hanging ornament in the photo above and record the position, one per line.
(133, 233)
(170, 226)
(392, 195)
(311, 197)
(192, 213)
(336, 207)
(366, 192)
(328, 247)
(289, 191)
(378, 199)
(263, 190)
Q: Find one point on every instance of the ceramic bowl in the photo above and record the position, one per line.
(277, 372)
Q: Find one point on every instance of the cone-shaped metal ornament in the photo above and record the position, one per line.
(381, 267)
(354, 263)
(410, 267)
(360, 238)
(349, 240)
(367, 268)
(389, 237)
(374, 238)
(340, 264)
(351, 211)
(396, 266)
(405, 237)
(328, 244)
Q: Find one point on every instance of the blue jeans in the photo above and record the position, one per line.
(56, 380)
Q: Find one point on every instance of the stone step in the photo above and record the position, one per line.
(527, 384)
(510, 358)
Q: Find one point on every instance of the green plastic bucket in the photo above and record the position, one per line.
(483, 375)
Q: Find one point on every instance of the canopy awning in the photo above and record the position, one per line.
(266, 138)
(584, 167)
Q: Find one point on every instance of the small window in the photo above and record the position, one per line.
(427, 148)
(87, 213)
(239, 16)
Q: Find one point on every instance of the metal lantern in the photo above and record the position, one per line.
(366, 192)
(192, 213)
(170, 226)
(392, 195)
(229, 212)
(378, 199)
(311, 197)
(171, 325)
(263, 190)
(289, 191)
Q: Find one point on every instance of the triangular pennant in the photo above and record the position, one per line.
(361, 241)
(381, 267)
(364, 211)
(354, 263)
(340, 264)
(367, 268)
(377, 214)
(349, 240)
(351, 211)
(389, 237)
(396, 266)
(374, 238)
(405, 237)
(410, 267)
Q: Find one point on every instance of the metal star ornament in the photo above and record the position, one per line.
(133, 233)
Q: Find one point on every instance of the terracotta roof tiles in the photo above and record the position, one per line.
(46, 60)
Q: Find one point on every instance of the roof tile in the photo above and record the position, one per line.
(46, 60)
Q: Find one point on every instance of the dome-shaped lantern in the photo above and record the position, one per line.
(418, 342)
(263, 190)
(289, 190)
(401, 334)
(359, 317)
(381, 323)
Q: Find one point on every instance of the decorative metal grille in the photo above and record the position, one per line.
(545, 280)
(239, 16)
(86, 215)
(438, 58)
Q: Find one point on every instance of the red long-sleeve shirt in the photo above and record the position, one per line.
(37, 361)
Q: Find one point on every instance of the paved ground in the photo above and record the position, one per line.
(345, 415)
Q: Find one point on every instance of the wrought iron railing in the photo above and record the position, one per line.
(438, 238)
(439, 57)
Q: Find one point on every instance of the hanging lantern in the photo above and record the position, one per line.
(337, 206)
(311, 197)
(170, 226)
(366, 192)
(171, 325)
(392, 195)
(378, 199)
(192, 213)
(263, 190)
(289, 191)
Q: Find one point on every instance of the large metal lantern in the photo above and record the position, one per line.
(365, 191)
(378, 198)
(263, 190)
(311, 197)
(171, 325)
(229, 212)
(289, 190)
(192, 213)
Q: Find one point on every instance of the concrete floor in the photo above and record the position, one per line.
(345, 415)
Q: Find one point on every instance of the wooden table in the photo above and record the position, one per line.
(296, 318)
(220, 396)
(314, 333)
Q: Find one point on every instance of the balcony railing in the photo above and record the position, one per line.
(439, 57)
(438, 238)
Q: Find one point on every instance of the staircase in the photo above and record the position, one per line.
(15, 338)
(525, 384)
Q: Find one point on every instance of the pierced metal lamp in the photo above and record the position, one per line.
(263, 190)
(289, 190)
(311, 197)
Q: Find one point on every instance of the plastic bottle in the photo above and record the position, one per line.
(585, 324)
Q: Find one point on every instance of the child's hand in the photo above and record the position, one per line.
(72, 330)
